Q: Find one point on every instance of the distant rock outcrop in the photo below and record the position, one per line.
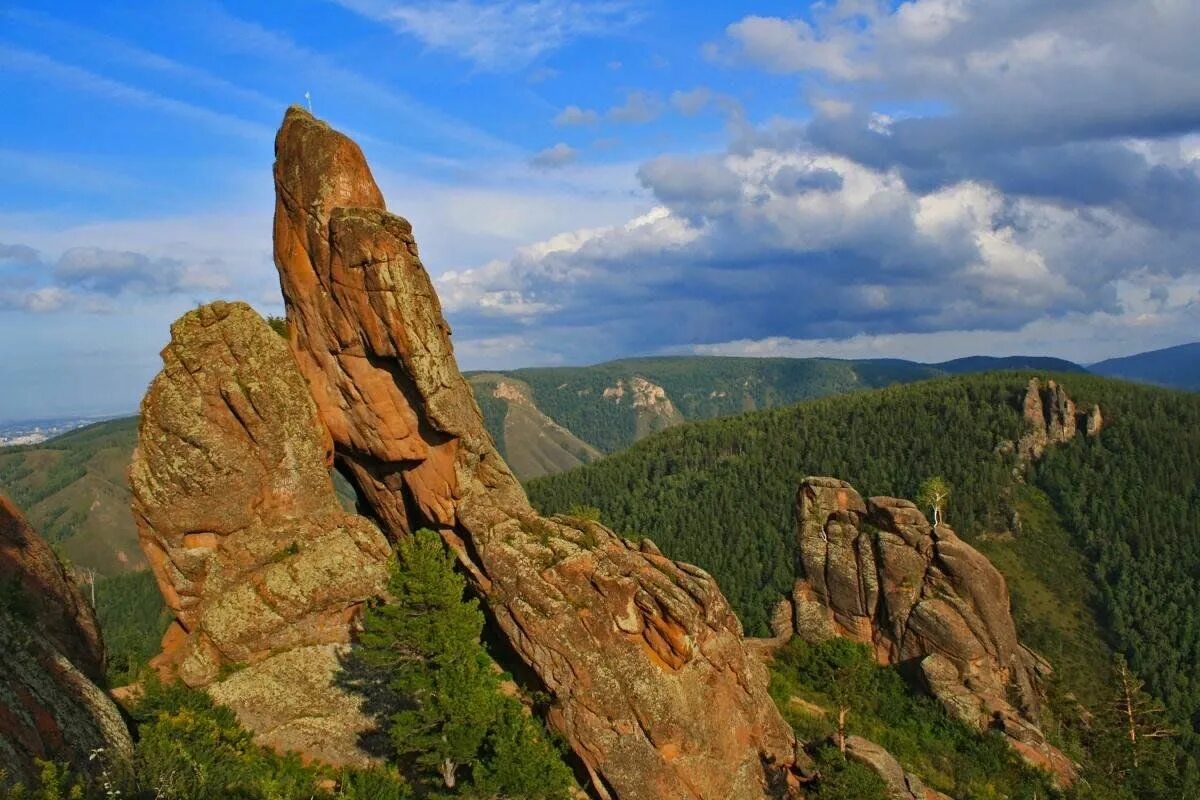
(1052, 419)
(877, 572)
(650, 681)
(51, 660)
(237, 516)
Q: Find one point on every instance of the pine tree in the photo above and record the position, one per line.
(452, 724)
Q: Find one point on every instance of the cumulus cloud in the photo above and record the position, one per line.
(574, 115)
(88, 278)
(111, 272)
(554, 157)
(802, 243)
(639, 107)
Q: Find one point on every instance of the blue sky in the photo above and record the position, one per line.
(588, 180)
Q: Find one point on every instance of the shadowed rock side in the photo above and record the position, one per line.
(28, 565)
(877, 572)
(237, 516)
(651, 684)
(51, 657)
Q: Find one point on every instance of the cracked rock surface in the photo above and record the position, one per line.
(651, 683)
(237, 515)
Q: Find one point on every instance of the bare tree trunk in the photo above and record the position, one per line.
(843, 711)
(448, 770)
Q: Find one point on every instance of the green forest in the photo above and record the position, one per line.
(1106, 527)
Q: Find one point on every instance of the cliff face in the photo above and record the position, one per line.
(877, 572)
(237, 516)
(1052, 418)
(651, 683)
(51, 658)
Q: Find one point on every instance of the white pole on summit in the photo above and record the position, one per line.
(308, 98)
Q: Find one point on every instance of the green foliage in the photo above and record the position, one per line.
(721, 493)
(933, 495)
(842, 779)
(54, 782)
(189, 748)
(279, 325)
(133, 619)
(924, 739)
(420, 661)
(1103, 554)
(700, 387)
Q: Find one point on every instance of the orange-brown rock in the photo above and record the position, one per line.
(1051, 418)
(876, 571)
(237, 516)
(651, 683)
(28, 565)
(51, 659)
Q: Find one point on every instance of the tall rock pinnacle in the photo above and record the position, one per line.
(651, 683)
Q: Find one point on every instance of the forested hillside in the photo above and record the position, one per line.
(1101, 546)
(1178, 367)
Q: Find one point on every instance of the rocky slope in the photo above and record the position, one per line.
(51, 658)
(877, 572)
(651, 684)
(237, 516)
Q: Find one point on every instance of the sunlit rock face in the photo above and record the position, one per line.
(651, 683)
(236, 513)
(877, 572)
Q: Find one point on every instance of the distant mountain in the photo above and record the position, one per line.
(960, 366)
(548, 419)
(1175, 367)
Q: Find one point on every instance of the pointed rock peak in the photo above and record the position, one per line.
(651, 683)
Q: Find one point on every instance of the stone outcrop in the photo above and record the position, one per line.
(651, 684)
(236, 513)
(59, 612)
(877, 572)
(901, 785)
(1052, 418)
(51, 659)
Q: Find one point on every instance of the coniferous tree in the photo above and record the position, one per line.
(451, 724)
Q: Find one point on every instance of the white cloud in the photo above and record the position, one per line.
(574, 115)
(558, 155)
(639, 107)
(499, 36)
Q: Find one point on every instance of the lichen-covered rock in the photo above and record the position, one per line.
(651, 683)
(877, 572)
(237, 516)
(51, 658)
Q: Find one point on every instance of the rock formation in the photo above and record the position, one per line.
(51, 659)
(901, 785)
(877, 572)
(651, 683)
(237, 516)
(1052, 419)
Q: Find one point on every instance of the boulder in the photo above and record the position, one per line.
(51, 660)
(237, 515)
(877, 572)
(901, 785)
(643, 659)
